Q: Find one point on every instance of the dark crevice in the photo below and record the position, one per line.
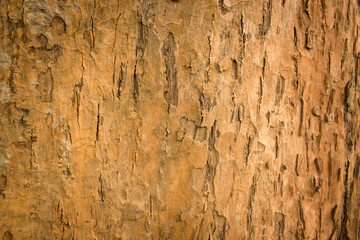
(346, 47)
(297, 165)
(242, 40)
(305, 6)
(280, 89)
(135, 92)
(208, 63)
(98, 123)
(101, 190)
(301, 117)
(261, 83)
(344, 218)
(168, 52)
(295, 38)
(235, 69)
(139, 52)
(250, 207)
(349, 123)
(300, 231)
(77, 93)
(307, 150)
(279, 225)
(276, 147)
(116, 23)
(92, 33)
(248, 149)
(266, 19)
(121, 80)
(220, 221)
(224, 9)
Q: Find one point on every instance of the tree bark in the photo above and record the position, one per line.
(185, 119)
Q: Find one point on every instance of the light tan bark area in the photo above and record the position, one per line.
(187, 119)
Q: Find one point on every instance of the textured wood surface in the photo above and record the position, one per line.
(187, 119)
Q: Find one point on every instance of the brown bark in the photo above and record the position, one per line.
(226, 119)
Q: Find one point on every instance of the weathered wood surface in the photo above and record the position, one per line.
(187, 119)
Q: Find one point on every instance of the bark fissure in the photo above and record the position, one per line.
(168, 51)
(250, 208)
(220, 221)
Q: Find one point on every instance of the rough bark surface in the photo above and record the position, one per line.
(202, 119)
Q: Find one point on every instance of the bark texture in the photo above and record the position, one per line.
(182, 119)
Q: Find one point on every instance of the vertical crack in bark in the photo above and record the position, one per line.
(280, 89)
(220, 221)
(168, 51)
(276, 147)
(344, 218)
(140, 48)
(330, 171)
(297, 165)
(11, 80)
(202, 104)
(343, 58)
(261, 83)
(236, 67)
(295, 38)
(356, 41)
(121, 80)
(151, 206)
(119, 83)
(349, 123)
(261, 92)
(116, 23)
(139, 52)
(250, 207)
(300, 231)
(98, 123)
(101, 190)
(266, 19)
(248, 149)
(305, 7)
(202, 97)
(32, 140)
(301, 116)
(208, 63)
(77, 93)
(307, 150)
(348, 15)
(279, 225)
(113, 76)
(318, 235)
(357, 63)
(92, 46)
(242, 49)
(135, 92)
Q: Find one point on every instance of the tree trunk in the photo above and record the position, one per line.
(229, 119)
